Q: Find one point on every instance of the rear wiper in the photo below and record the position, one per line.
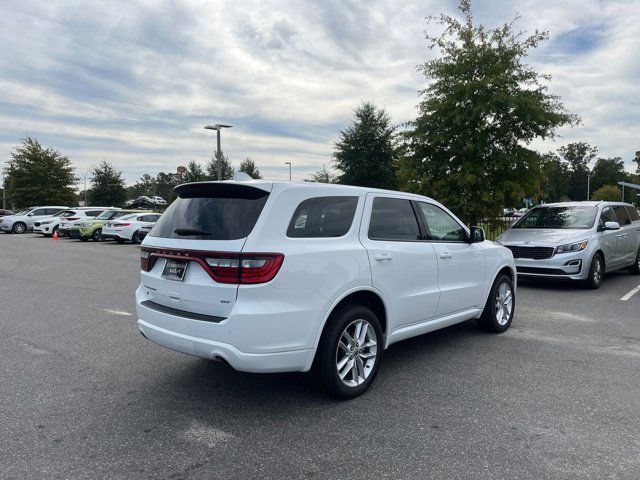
(190, 231)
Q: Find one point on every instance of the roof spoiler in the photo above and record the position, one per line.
(224, 190)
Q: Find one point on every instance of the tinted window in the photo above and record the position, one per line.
(39, 211)
(211, 211)
(67, 213)
(558, 218)
(323, 217)
(607, 216)
(52, 211)
(633, 213)
(621, 215)
(440, 225)
(393, 219)
(93, 213)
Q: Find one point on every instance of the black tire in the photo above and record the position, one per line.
(489, 321)
(120, 240)
(326, 365)
(135, 238)
(84, 239)
(19, 227)
(96, 236)
(596, 272)
(635, 269)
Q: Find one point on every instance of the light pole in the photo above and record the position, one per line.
(4, 190)
(289, 163)
(84, 178)
(588, 185)
(217, 127)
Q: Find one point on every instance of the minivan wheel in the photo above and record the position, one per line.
(596, 272)
(500, 307)
(350, 352)
(19, 227)
(635, 269)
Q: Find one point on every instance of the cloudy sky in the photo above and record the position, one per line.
(134, 82)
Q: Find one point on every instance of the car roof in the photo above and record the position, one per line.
(583, 204)
(276, 186)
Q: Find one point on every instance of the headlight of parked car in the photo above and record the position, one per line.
(45, 222)
(571, 247)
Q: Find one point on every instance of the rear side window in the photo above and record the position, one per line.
(93, 213)
(621, 215)
(212, 212)
(323, 217)
(633, 213)
(393, 219)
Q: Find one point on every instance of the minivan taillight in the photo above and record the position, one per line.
(222, 267)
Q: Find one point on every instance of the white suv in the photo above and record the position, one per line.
(277, 276)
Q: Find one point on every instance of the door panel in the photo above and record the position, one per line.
(403, 267)
(461, 265)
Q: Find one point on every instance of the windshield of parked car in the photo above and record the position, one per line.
(558, 218)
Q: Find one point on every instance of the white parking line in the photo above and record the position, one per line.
(118, 312)
(630, 294)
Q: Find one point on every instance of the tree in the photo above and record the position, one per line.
(39, 176)
(482, 108)
(607, 171)
(578, 155)
(248, 166)
(322, 176)
(146, 185)
(365, 154)
(227, 168)
(637, 160)
(608, 193)
(107, 185)
(193, 173)
(165, 183)
(555, 185)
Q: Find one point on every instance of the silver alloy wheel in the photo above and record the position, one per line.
(356, 353)
(597, 270)
(19, 227)
(504, 303)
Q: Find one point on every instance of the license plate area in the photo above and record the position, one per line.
(174, 270)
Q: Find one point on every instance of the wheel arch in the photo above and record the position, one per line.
(367, 296)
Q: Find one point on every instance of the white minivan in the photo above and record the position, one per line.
(281, 276)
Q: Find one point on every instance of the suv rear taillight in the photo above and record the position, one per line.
(121, 224)
(238, 268)
(71, 219)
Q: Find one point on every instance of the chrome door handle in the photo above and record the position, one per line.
(445, 255)
(381, 257)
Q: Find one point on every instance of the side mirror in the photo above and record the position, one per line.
(611, 226)
(477, 235)
(29, 214)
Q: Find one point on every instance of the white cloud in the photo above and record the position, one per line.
(135, 82)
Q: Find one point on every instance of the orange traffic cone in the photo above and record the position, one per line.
(55, 235)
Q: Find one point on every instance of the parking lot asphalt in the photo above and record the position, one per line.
(84, 395)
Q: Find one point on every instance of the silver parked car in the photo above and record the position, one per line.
(576, 240)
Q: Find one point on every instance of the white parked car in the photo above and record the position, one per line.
(47, 226)
(279, 276)
(24, 221)
(159, 201)
(81, 214)
(128, 227)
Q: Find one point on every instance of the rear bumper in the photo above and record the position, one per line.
(290, 361)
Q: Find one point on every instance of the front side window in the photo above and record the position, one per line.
(39, 211)
(323, 217)
(558, 218)
(440, 225)
(622, 215)
(606, 216)
(393, 219)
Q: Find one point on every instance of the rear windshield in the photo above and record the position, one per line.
(558, 217)
(212, 212)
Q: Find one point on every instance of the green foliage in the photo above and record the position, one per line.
(39, 176)
(578, 155)
(227, 168)
(365, 154)
(482, 108)
(556, 181)
(248, 166)
(146, 185)
(165, 183)
(322, 176)
(107, 185)
(607, 193)
(193, 173)
(636, 159)
(608, 171)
